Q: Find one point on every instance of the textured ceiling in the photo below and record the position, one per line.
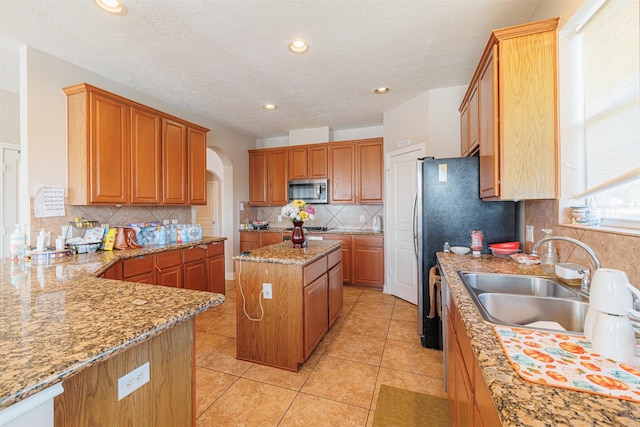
(224, 59)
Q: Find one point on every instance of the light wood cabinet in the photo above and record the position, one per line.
(342, 169)
(308, 162)
(469, 125)
(346, 254)
(316, 313)
(369, 171)
(114, 272)
(215, 264)
(121, 152)
(368, 260)
(268, 177)
(139, 269)
(334, 261)
(249, 240)
(518, 112)
(169, 269)
(197, 166)
(146, 157)
(270, 238)
(194, 268)
(469, 400)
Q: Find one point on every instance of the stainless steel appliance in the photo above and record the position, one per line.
(447, 208)
(312, 191)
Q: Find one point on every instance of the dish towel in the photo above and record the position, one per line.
(435, 298)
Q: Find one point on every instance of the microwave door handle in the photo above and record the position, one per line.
(318, 191)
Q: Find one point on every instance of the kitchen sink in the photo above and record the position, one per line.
(522, 310)
(519, 300)
(516, 284)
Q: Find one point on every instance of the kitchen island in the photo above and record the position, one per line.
(62, 324)
(519, 402)
(288, 299)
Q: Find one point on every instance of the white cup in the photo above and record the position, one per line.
(613, 337)
(590, 321)
(612, 293)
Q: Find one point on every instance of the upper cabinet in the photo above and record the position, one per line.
(517, 123)
(268, 177)
(308, 162)
(121, 152)
(354, 169)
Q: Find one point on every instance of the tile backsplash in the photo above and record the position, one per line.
(112, 215)
(619, 251)
(331, 216)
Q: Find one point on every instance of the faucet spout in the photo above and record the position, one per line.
(594, 258)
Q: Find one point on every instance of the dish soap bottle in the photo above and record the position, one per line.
(549, 256)
(17, 241)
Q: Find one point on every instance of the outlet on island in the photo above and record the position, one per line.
(266, 291)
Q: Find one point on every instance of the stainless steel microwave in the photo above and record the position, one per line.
(310, 190)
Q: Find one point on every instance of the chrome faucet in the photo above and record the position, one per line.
(586, 274)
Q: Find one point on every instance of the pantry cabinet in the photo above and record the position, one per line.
(121, 152)
(516, 83)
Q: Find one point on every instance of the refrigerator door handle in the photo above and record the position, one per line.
(414, 225)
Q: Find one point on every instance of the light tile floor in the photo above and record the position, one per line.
(373, 342)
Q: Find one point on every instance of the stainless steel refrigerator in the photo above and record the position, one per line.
(448, 207)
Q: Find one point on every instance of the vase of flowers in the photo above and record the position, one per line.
(298, 211)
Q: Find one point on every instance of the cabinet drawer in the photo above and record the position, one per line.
(168, 259)
(315, 270)
(334, 257)
(250, 236)
(214, 249)
(136, 266)
(194, 253)
(374, 241)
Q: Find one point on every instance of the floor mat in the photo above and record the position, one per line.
(403, 408)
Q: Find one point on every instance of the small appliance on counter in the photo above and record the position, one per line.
(260, 225)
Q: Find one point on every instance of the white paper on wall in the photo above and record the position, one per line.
(49, 201)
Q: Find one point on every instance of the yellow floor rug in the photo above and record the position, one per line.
(403, 408)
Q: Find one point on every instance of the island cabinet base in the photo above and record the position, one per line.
(90, 397)
(283, 331)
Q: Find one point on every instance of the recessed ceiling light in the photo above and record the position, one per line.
(111, 6)
(381, 90)
(299, 46)
(269, 106)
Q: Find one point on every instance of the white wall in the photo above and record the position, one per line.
(338, 135)
(9, 117)
(407, 122)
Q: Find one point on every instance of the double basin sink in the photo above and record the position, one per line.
(515, 300)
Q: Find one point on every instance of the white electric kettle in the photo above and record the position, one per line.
(377, 223)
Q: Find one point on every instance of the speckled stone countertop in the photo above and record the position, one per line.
(59, 318)
(285, 253)
(359, 231)
(519, 402)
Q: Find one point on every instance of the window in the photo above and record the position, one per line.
(608, 38)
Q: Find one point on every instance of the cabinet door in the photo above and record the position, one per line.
(369, 172)
(216, 274)
(368, 260)
(473, 138)
(316, 314)
(114, 272)
(335, 292)
(342, 160)
(489, 160)
(318, 162)
(258, 178)
(137, 266)
(464, 394)
(269, 238)
(346, 254)
(249, 240)
(451, 353)
(109, 150)
(278, 171)
(195, 275)
(298, 163)
(169, 276)
(464, 130)
(197, 146)
(146, 166)
(174, 162)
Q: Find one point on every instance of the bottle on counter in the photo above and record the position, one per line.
(477, 239)
(17, 241)
(549, 255)
(447, 247)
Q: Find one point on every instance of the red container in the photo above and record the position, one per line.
(505, 245)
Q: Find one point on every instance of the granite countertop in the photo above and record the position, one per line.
(355, 231)
(58, 317)
(285, 253)
(519, 402)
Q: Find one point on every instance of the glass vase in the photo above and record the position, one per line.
(297, 237)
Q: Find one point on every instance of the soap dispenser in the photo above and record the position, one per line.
(549, 256)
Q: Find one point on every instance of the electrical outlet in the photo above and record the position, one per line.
(266, 291)
(361, 218)
(279, 218)
(529, 233)
(132, 381)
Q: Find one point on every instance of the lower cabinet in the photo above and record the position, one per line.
(335, 276)
(316, 315)
(469, 399)
(198, 267)
(368, 260)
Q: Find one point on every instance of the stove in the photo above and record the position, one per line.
(310, 228)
